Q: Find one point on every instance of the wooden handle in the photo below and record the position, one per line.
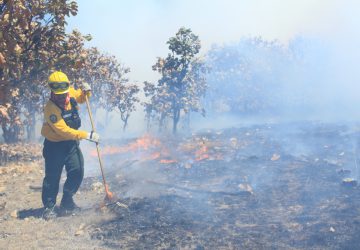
(90, 114)
(108, 193)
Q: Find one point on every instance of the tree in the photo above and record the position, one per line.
(33, 39)
(182, 83)
(247, 77)
(107, 77)
(103, 72)
(34, 43)
(124, 99)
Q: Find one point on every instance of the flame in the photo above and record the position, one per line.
(143, 143)
(151, 148)
(167, 161)
(153, 156)
(202, 153)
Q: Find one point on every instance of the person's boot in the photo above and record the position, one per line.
(68, 206)
(49, 213)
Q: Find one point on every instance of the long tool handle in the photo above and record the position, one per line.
(108, 193)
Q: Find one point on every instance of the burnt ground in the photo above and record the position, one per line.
(272, 186)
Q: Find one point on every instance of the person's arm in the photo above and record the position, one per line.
(56, 122)
(79, 94)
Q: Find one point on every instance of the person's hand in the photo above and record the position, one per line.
(93, 136)
(86, 88)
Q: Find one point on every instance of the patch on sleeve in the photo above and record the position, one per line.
(53, 118)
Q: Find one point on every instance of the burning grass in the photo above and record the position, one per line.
(259, 187)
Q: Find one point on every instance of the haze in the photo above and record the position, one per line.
(136, 31)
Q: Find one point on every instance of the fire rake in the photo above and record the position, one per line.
(108, 195)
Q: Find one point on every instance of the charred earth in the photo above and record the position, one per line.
(275, 186)
(269, 186)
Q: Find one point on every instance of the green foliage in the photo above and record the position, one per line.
(182, 83)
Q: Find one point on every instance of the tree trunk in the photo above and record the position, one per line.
(125, 124)
(11, 134)
(176, 119)
(148, 126)
(125, 119)
(30, 128)
(161, 122)
(12, 128)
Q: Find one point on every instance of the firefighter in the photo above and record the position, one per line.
(61, 144)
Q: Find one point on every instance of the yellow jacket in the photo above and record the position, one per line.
(54, 127)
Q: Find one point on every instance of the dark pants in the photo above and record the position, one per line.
(58, 154)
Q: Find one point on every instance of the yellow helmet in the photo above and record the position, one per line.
(59, 82)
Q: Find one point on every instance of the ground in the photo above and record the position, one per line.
(20, 209)
(268, 186)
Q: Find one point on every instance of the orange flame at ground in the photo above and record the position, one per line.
(152, 149)
(202, 153)
(166, 161)
(143, 143)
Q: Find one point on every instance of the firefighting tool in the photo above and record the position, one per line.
(59, 83)
(108, 195)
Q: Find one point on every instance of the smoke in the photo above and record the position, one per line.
(311, 75)
(309, 78)
(326, 88)
(143, 181)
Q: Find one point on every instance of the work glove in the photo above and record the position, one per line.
(93, 136)
(85, 87)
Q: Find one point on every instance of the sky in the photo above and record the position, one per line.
(136, 31)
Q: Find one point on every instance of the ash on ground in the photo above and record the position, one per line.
(260, 187)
